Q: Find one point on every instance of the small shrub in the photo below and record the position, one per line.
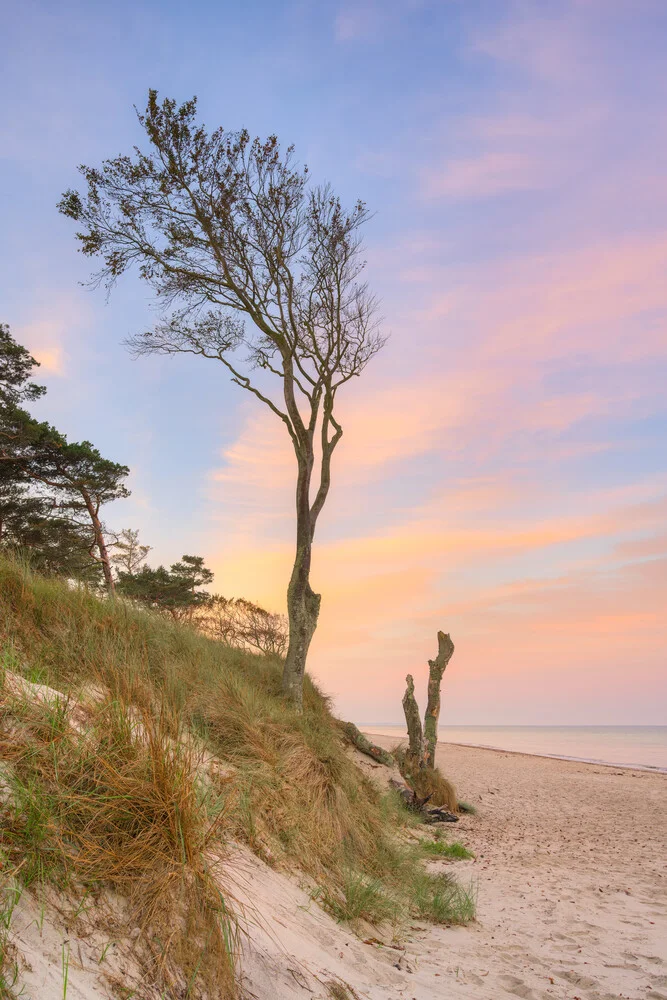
(431, 782)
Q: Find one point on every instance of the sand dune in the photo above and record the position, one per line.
(571, 877)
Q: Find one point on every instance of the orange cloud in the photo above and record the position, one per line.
(50, 359)
(46, 335)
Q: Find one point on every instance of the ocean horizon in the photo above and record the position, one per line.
(624, 746)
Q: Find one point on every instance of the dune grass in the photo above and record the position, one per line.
(10, 894)
(440, 899)
(339, 990)
(117, 806)
(442, 849)
(110, 785)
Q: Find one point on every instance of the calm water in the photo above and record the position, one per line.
(634, 746)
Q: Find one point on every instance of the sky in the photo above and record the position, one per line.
(503, 473)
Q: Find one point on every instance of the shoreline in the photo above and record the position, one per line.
(650, 768)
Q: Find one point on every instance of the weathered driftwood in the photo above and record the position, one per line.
(440, 815)
(436, 670)
(420, 805)
(415, 751)
(362, 743)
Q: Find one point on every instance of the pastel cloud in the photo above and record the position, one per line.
(455, 565)
(502, 468)
(532, 315)
(44, 339)
(367, 20)
(488, 174)
(503, 546)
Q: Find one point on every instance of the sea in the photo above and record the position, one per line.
(627, 746)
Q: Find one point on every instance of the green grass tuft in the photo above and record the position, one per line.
(440, 899)
(441, 849)
(10, 894)
(360, 898)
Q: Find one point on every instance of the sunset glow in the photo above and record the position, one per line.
(502, 474)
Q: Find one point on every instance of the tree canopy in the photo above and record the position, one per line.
(254, 268)
(175, 590)
(50, 488)
(16, 367)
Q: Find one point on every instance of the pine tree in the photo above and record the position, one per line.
(174, 590)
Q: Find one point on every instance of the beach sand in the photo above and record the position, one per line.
(571, 873)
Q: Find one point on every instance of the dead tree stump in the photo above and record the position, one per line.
(415, 751)
(436, 670)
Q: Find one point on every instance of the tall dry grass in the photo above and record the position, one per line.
(428, 782)
(299, 799)
(118, 806)
(125, 799)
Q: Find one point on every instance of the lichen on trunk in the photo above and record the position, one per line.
(303, 604)
(415, 736)
(303, 608)
(436, 670)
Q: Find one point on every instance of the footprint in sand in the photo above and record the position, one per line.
(517, 987)
(557, 936)
(578, 979)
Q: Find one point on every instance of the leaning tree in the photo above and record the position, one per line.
(252, 268)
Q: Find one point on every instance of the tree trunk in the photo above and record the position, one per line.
(413, 721)
(303, 605)
(436, 670)
(100, 543)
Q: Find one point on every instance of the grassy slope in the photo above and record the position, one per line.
(124, 799)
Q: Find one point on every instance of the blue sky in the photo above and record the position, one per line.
(503, 470)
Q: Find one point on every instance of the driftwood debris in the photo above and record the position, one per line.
(414, 802)
(370, 749)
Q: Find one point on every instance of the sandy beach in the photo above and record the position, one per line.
(571, 881)
(571, 872)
